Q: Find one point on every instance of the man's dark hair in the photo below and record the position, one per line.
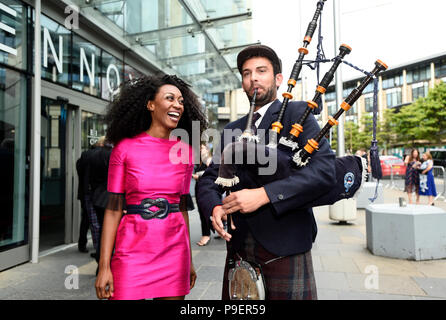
(259, 50)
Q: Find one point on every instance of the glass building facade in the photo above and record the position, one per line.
(83, 62)
(397, 87)
(14, 100)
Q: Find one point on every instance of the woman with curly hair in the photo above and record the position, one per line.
(151, 239)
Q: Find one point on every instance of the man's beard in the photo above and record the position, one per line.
(267, 97)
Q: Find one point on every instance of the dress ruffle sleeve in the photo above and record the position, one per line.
(116, 178)
(188, 173)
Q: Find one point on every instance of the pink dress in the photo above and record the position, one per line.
(151, 257)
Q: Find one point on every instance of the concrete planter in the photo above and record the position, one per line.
(415, 232)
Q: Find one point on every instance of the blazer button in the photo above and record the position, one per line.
(280, 197)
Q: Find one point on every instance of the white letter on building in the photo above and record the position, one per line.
(57, 59)
(87, 66)
(110, 67)
(7, 29)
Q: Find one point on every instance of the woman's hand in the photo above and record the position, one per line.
(104, 284)
(193, 276)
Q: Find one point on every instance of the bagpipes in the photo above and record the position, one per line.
(350, 170)
(295, 72)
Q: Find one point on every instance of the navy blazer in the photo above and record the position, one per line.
(284, 226)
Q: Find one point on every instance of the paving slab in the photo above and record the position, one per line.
(340, 259)
(433, 287)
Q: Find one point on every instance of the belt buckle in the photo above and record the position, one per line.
(161, 213)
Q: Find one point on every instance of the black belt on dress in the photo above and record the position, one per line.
(143, 209)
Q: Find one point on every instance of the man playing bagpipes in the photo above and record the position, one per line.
(271, 225)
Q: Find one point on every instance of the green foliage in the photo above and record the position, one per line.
(425, 119)
(355, 139)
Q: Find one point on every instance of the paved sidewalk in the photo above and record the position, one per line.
(344, 268)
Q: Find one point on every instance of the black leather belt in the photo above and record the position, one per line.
(143, 209)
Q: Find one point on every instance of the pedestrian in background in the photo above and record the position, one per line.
(152, 173)
(97, 172)
(427, 182)
(199, 170)
(412, 182)
(83, 192)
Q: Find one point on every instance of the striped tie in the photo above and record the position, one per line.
(255, 117)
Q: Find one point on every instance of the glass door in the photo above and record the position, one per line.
(13, 197)
(53, 177)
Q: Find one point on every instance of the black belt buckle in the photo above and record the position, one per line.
(161, 213)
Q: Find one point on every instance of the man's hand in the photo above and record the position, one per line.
(218, 215)
(245, 201)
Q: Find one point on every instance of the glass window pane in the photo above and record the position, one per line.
(86, 66)
(93, 127)
(14, 219)
(131, 73)
(368, 101)
(393, 97)
(111, 72)
(440, 68)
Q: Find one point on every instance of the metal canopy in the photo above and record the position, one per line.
(196, 39)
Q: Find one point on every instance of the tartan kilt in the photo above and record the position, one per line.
(287, 278)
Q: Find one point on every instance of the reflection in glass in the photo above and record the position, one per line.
(111, 71)
(13, 216)
(53, 167)
(131, 73)
(85, 66)
(93, 127)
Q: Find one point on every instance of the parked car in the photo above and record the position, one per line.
(392, 163)
(439, 157)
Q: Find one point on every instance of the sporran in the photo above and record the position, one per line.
(246, 281)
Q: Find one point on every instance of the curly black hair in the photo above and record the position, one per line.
(127, 115)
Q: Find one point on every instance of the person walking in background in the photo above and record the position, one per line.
(97, 171)
(151, 172)
(199, 170)
(83, 192)
(412, 183)
(427, 182)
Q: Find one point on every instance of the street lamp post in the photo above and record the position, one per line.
(339, 97)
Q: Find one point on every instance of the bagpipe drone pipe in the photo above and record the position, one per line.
(249, 155)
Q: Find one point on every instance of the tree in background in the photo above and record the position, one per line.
(385, 133)
(425, 119)
(432, 126)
